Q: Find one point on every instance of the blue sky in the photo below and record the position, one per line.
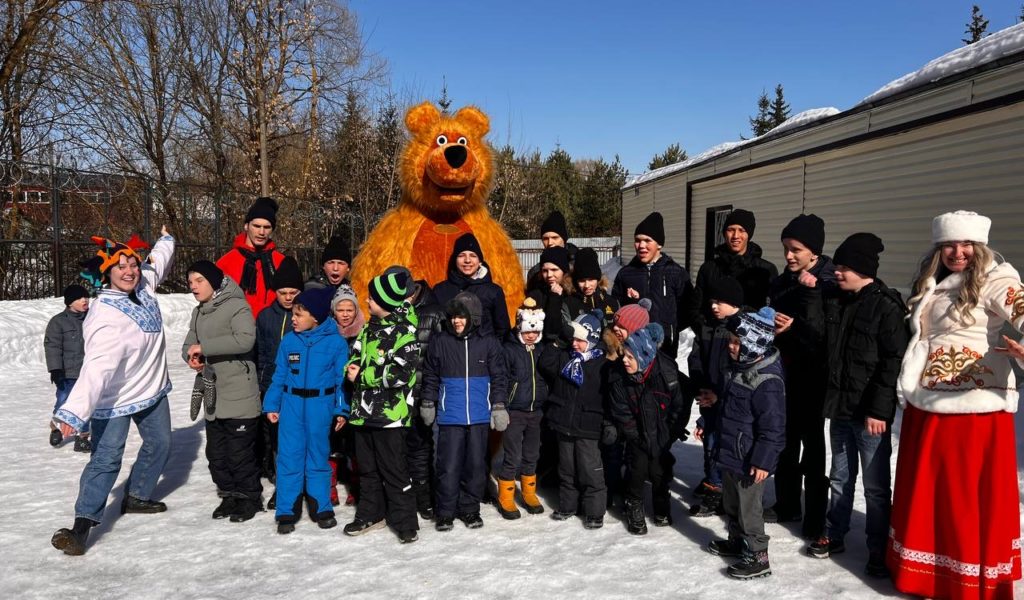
(602, 78)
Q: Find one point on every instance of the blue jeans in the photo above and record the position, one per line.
(849, 440)
(63, 391)
(108, 438)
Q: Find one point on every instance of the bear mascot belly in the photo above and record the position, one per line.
(446, 174)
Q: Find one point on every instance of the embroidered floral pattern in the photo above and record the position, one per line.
(954, 367)
(1015, 300)
(956, 566)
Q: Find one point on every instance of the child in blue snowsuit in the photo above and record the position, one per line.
(305, 395)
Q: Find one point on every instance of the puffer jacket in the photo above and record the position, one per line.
(575, 411)
(310, 364)
(865, 349)
(388, 355)
(492, 298)
(599, 300)
(225, 329)
(431, 320)
(754, 274)
(464, 375)
(529, 389)
(752, 420)
(272, 324)
(648, 407)
(667, 285)
(64, 343)
(953, 368)
(803, 344)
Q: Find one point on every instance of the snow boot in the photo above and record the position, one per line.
(636, 524)
(709, 506)
(326, 520)
(825, 547)
(424, 499)
(82, 444)
(661, 520)
(359, 526)
(593, 522)
(507, 500)
(753, 564)
(562, 515)
(472, 520)
(286, 524)
(246, 508)
(72, 541)
(729, 548)
(444, 524)
(272, 503)
(226, 508)
(333, 462)
(56, 437)
(131, 504)
(528, 485)
(408, 536)
(876, 566)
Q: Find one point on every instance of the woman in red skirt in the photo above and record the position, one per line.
(955, 526)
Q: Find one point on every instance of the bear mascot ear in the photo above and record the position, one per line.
(476, 120)
(422, 117)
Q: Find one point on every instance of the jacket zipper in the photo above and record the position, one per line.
(533, 380)
(465, 341)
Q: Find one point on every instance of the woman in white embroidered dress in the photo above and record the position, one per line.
(955, 528)
(123, 379)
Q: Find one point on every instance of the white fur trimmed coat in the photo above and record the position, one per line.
(952, 368)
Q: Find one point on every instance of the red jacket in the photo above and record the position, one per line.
(233, 263)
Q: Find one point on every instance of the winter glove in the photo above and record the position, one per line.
(631, 434)
(56, 375)
(428, 413)
(499, 418)
(609, 434)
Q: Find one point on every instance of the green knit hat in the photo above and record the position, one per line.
(389, 290)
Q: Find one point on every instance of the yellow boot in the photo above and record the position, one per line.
(528, 483)
(507, 499)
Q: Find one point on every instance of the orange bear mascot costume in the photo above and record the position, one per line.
(447, 172)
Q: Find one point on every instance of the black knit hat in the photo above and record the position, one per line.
(555, 223)
(653, 226)
(860, 252)
(467, 242)
(263, 208)
(586, 265)
(317, 301)
(558, 256)
(743, 218)
(337, 248)
(390, 290)
(809, 230)
(74, 292)
(726, 289)
(287, 275)
(210, 271)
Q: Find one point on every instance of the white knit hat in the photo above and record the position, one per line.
(961, 226)
(530, 317)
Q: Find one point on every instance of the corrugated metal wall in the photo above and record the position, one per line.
(637, 203)
(773, 193)
(670, 201)
(893, 186)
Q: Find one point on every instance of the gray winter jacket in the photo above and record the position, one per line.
(64, 344)
(225, 329)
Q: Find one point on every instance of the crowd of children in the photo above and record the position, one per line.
(408, 401)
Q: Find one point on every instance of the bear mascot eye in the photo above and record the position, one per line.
(462, 141)
(442, 140)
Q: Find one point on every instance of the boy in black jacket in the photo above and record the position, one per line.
(64, 346)
(865, 351)
(575, 411)
(521, 441)
(647, 403)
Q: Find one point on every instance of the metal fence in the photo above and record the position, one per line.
(529, 251)
(49, 213)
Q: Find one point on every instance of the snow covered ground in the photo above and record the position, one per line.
(183, 553)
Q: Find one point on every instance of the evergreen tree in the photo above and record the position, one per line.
(670, 156)
(779, 108)
(444, 101)
(762, 123)
(1020, 19)
(976, 28)
(598, 208)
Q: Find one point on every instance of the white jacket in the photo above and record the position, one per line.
(952, 368)
(125, 367)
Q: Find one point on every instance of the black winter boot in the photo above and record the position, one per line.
(72, 541)
(636, 523)
(710, 505)
(729, 548)
(326, 520)
(424, 499)
(131, 504)
(82, 444)
(226, 508)
(753, 564)
(246, 508)
(56, 437)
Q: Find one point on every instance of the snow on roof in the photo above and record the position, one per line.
(1002, 43)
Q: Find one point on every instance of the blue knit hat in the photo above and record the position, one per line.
(756, 331)
(643, 344)
(317, 302)
(588, 327)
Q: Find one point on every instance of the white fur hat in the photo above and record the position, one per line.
(530, 317)
(961, 226)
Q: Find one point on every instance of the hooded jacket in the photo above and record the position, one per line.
(388, 355)
(752, 420)
(233, 264)
(667, 284)
(648, 408)
(63, 343)
(494, 319)
(529, 388)
(310, 364)
(754, 274)
(225, 329)
(953, 368)
(464, 375)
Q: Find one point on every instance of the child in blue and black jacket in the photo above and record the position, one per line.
(465, 385)
(752, 430)
(521, 441)
(307, 394)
